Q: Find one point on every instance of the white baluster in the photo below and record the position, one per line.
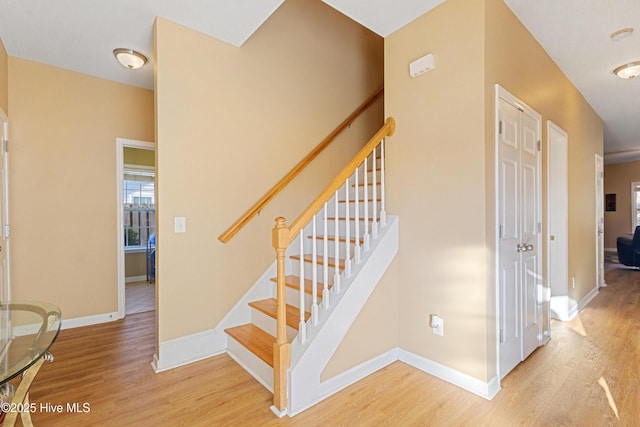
(357, 219)
(302, 326)
(347, 255)
(383, 211)
(325, 271)
(366, 209)
(336, 237)
(314, 275)
(374, 222)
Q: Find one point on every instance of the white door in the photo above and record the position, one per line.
(5, 285)
(519, 314)
(558, 222)
(600, 221)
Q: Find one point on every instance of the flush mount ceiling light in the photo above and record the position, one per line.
(628, 71)
(622, 34)
(130, 58)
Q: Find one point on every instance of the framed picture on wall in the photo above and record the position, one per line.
(610, 202)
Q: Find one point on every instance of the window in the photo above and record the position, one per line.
(635, 205)
(139, 206)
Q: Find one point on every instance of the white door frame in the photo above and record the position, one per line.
(4, 136)
(502, 93)
(599, 175)
(555, 136)
(121, 143)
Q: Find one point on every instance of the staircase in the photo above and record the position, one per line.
(328, 262)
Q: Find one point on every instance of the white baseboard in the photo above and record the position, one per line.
(576, 308)
(75, 322)
(188, 349)
(487, 390)
(135, 279)
(611, 250)
(351, 376)
(588, 298)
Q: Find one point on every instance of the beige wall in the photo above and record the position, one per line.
(64, 127)
(617, 180)
(441, 171)
(230, 122)
(4, 79)
(436, 173)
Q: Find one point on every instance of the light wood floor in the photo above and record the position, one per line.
(561, 384)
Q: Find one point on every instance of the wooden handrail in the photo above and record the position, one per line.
(257, 207)
(387, 130)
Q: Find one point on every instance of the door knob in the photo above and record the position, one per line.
(529, 248)
(521, 248)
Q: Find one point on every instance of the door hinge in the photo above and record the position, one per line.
(7, 231)
(539, 146)
(501, 336)
(539, 227)
(500, 127)
(500, 231)
(5, 145)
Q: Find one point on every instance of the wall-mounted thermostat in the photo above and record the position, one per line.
(422, 65)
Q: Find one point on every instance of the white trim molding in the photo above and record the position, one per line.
(487, 390)
(188, 349)
(350, 376)
(95, 319)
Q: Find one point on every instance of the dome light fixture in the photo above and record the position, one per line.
(628, 71)
(622, 34)
(130, 59)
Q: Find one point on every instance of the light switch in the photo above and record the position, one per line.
(180, 224)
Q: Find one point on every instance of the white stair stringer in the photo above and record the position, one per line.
(308, 360)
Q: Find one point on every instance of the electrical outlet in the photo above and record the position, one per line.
(437, 324)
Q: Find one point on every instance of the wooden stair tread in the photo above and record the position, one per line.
(269, 307)
(331, 261)
(369, 184)
(333, 218)
(293, 282)
(360, 201)
(341, 239)
(255, 340)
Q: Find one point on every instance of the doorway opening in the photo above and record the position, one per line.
(558, 222)
(136, 226)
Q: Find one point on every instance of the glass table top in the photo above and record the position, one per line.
(27, 330)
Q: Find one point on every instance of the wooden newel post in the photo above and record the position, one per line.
(281, 348)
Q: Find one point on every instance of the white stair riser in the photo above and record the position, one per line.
(342, 210)
(331, 248)
(352, 227)
(269, 324)
(308, 271)
(252, 363)
(293, 298)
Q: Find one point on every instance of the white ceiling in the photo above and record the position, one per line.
(576, 34)
(80, 35)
